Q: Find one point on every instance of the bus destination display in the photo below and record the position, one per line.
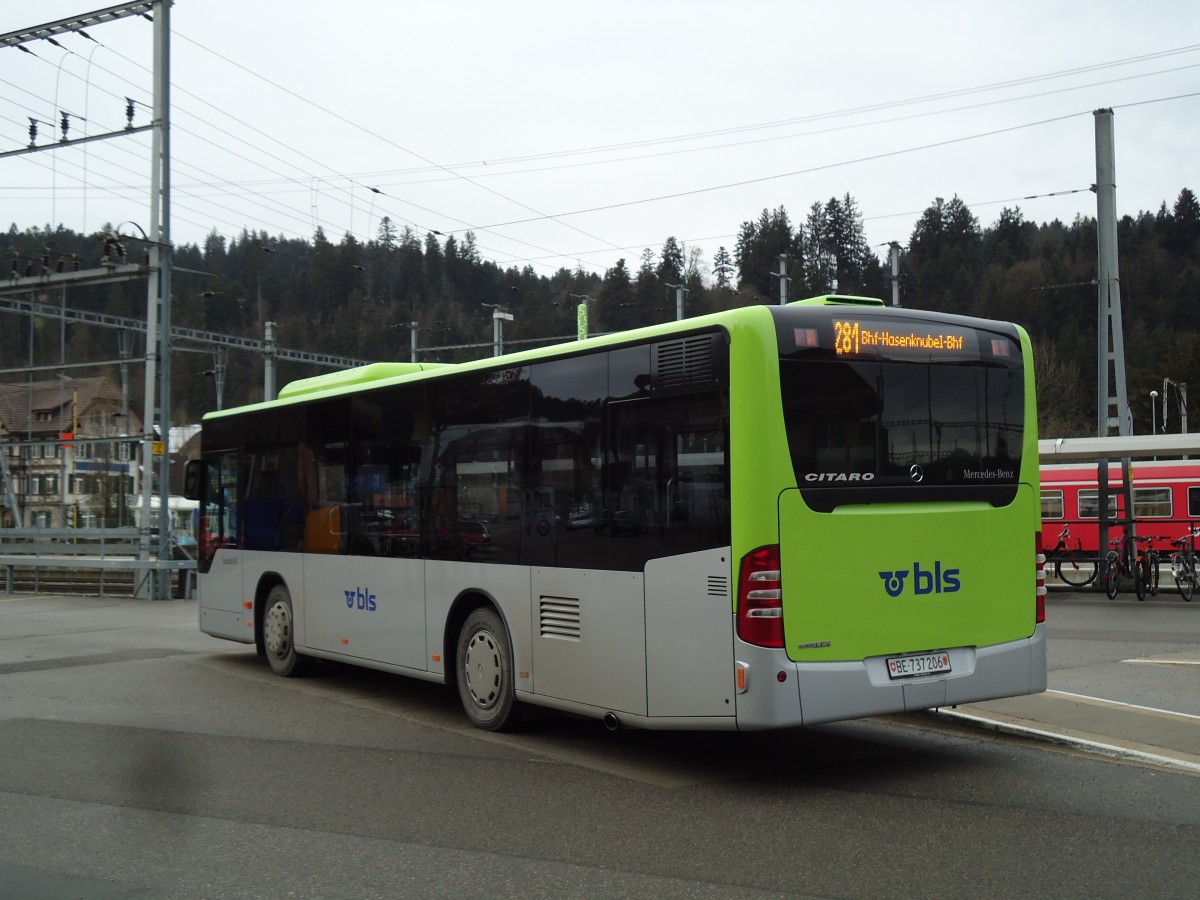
(892, 338)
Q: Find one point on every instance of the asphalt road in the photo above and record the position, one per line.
(139, 758)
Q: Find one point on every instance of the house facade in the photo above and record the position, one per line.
(68, 454)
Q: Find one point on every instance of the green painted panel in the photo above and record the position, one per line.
(882, 579)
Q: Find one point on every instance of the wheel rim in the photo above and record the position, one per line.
(483, 670)
(277, 630)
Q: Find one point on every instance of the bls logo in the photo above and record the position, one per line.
(925, 581)
(360, 599)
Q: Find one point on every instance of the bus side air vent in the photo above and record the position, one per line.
(718, 586)
(558, 617)
(685, 362)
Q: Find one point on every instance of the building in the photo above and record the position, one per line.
(68, 454)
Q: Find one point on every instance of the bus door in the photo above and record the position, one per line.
(221, 592)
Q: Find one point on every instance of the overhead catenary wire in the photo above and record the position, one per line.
(135, 89)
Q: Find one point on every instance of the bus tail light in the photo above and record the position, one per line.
(760, 598)
(1040, 561)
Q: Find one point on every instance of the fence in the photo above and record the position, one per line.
(104, 550)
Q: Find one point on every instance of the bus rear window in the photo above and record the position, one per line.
(926, 429)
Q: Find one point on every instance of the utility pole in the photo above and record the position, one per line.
(680, 290)
(500, 315)
(1113, 400)
(158, 315)
(113, 270)
(1181, 396)
(784, 280)
(269, 352)
(894, 256)
(218, 374)
(413, 328)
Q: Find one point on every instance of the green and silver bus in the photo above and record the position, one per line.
(760, 518)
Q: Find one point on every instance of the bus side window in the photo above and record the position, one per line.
(667, 476)
(568, 397)
(273, 509)
(219, 513)
(325, 523)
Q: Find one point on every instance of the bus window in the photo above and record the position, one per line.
(479, 451)
(273, 509)
(666, 477)
(323, 462)
(386, 469)
(218, 520)
(567, 400)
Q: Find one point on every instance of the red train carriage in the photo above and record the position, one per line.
(1166, 500)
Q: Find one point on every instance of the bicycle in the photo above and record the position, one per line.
(1183, 564)
(1072, 565)
(1121, 562)
(1148, 563)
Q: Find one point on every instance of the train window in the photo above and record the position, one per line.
(1152, 503)
(1193, 502)
(1053, 506)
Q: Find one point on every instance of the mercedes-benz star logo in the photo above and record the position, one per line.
(916, 474)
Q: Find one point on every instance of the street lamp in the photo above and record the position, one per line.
(1153, 412)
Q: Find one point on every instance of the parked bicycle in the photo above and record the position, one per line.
(1148, 563)
(1072, 565)
(1183, 564)
(1121, 561)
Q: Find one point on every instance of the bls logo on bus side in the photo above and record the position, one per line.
(360, 599)
(937, 580)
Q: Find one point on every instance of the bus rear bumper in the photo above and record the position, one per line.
(780, 693)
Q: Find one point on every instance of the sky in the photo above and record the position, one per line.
(566, 134)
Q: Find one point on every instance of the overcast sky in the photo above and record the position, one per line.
(566, 134)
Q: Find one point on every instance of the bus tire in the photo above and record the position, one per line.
(485, 672)
(279, 633)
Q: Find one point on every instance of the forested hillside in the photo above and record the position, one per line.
(358, 300)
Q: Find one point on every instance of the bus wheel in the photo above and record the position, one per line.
(279, 633)
(485, 676)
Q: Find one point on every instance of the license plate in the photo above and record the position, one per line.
(912, 666)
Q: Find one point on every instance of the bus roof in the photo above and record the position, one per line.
(386, 373)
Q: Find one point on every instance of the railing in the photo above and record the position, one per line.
(101, 549)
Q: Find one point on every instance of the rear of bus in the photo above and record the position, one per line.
(894, 453)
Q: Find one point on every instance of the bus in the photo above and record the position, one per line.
(767, 517)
